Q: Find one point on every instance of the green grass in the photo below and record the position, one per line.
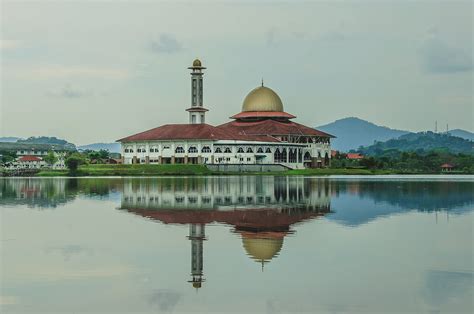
(142, 170)
(332, 171)
(190, 170)
(53, 173)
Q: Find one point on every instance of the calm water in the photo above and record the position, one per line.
(237, 244)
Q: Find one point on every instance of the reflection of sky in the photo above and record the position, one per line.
(87, 256)
(448, 290)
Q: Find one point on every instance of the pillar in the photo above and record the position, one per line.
(160, 160)
(186, 159)
(172, 160)
(199, 159)
(147, 160)
(134, 160)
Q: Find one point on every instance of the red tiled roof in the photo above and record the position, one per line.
(258, 218)
(447, 166)
(195, 132)
(262, 114)
(29, 158)
(271, 127)
(354, 156)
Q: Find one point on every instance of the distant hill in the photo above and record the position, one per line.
(47, 140)
(9, 139)
(463, 134)
(111, 147)
(421, 142)
(354, 132)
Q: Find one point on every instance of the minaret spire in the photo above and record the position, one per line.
(197, 111)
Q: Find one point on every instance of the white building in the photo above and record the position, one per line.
(262, 133)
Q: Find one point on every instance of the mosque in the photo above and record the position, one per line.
(262, 133)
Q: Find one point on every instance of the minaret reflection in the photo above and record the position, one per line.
(197, 235)
(260, 210)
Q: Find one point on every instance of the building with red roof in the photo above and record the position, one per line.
(30, 162)
(447, 167)
(262, 133)
(355, 156)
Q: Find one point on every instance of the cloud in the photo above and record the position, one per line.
(68, 251)
(440, 58)
(59, 71)
(270, 39)
(164, 300)
(8, 300)
(69, 91)
(8, 44)
(167, 43)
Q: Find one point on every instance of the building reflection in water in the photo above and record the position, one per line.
(261, 210)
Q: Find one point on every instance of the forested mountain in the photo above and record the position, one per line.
(421, 143)
(463, 134)
(47, 140)
(111, 147)
(353, 132)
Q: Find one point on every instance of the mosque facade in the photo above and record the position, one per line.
(262, 133)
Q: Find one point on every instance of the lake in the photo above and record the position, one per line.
(237, 244)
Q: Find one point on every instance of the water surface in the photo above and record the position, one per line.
(246, 244)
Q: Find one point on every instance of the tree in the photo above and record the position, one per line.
(7, 156)
(74, 161)
(51, 158)
(104, 154)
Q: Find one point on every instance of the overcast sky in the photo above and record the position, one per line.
(92, 71)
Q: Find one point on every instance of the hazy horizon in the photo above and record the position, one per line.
(98, 71)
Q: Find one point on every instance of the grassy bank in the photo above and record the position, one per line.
(131, 170)
(189, 170)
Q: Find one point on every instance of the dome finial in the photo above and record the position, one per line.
(262, 81)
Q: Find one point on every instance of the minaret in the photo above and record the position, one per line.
(197, 111)
(197, 235)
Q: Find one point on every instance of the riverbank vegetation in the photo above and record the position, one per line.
(388, 162)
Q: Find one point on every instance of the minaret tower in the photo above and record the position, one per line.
(197, 235)
(197, 111)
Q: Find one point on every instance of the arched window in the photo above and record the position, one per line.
(293, 156)
(228, 150)
(260, 150)
(179, 150)
(192, 149)
(249, 150)
(277, 155)
(139, 150)
(268, 150)
(206, 149)
(126, 150)
(283, 155)
(218, 150)
(307, 156)
(240, 150)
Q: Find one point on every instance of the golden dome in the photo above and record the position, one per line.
(197, 63)
(262, 99)
(262, 249)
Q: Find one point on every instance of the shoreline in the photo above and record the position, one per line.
(200, 170)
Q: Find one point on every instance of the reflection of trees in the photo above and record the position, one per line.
(419, 195)
(35, 192)
(52, 192)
